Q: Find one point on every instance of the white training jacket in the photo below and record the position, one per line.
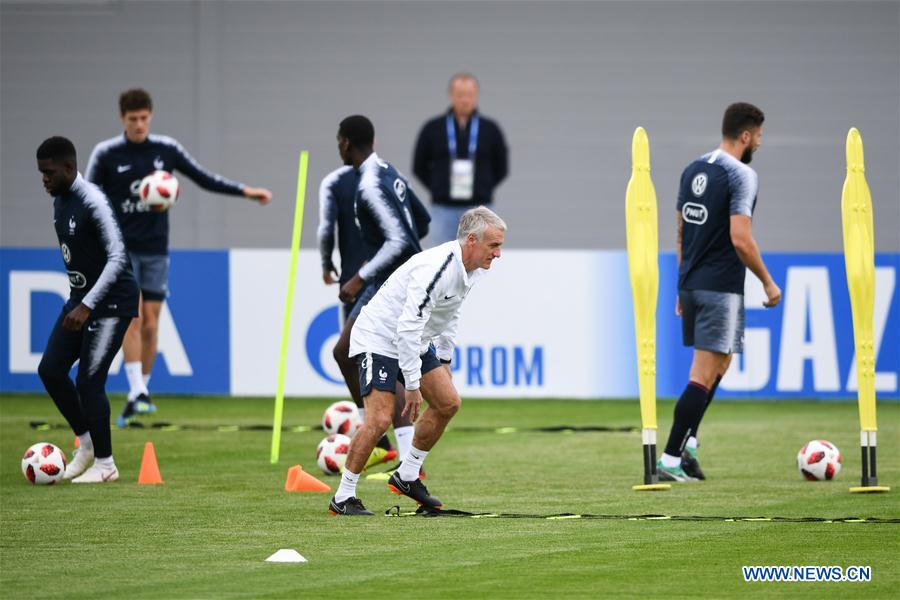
(418, 305)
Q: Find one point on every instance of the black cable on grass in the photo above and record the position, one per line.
(395, 511)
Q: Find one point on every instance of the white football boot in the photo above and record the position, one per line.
(80, 462)
(98, 474)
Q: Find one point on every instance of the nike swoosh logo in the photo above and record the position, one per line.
(336, 508)
(92, 328)
(403, 486)
(123, 168)
(108, 476)
(449, 297)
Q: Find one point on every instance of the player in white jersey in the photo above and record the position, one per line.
(406, 333)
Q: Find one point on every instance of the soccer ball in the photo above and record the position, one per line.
(43, 464)
(159, 190)
(819, 460)
(341, 417)
(332, 453)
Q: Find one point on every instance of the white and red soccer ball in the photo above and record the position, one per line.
(43, 464)
(819, 460)
(341, 417)
(159, 190)
(332, 453)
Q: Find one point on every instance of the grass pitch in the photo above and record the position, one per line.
(223, 509)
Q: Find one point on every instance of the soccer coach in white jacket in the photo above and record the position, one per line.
(406, 333)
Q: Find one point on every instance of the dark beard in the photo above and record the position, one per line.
(747, 156)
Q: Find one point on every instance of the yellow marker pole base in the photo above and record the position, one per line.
(652, 487)
(870, 489)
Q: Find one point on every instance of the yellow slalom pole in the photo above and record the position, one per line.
(641, 224)
(859, 259)
(289, 303)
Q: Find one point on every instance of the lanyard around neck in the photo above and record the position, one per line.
(473, 136)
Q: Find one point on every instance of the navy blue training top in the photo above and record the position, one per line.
(94, 254)
(117, 166)
(713, 187)
(390, 217)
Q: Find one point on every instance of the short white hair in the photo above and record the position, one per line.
(476, 221)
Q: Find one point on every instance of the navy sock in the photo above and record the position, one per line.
(712, 392)
(688, 410)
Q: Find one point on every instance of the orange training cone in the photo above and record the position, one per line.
(300, 481)
(149, 469)
(77, 443)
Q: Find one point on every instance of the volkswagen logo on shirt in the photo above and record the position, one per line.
(698, 185)
(67, 254)
(77, 280)
(400, 189)
(694, 213)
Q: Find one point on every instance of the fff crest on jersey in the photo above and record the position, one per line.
(400, 189)
(72, 225)
(158, 163)
(67, 254)
(698, 185)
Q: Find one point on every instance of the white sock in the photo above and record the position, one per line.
(692, 443)
(362, 414)
(404, 437)
(106, 463)
(670, 461)
(412, 462)
(146, 379)
(136, 385)
(85, 441)
(347, 489)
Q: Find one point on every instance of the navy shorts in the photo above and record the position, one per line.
(364, 297)
(152, 274)
(383, 372)
(712, 321)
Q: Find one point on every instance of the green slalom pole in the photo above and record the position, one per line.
(289, 303)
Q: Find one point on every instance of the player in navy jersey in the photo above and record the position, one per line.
(117, 166)
(103, 299)
(715, 246)
(337, 211)
(337, 219)
(391, 220)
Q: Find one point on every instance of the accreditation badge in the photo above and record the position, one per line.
(462, 179)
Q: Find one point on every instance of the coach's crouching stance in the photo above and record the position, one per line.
(407, 333)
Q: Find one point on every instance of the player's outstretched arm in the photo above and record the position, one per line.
(212, 182)
(748, 252)
(261, 195)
